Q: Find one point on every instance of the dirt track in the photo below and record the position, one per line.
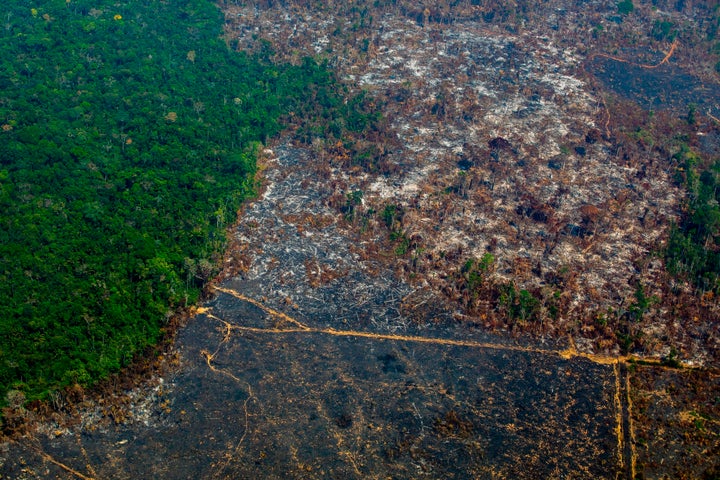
(329, 381)
(316, 360)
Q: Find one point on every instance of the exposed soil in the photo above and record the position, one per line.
(676, 415)
(287, 375)
(666, 86)
(341, 343)
(504, 141)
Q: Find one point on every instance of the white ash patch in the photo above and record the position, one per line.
(468, 83)
(321, 43)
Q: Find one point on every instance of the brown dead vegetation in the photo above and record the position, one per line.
(499, 142)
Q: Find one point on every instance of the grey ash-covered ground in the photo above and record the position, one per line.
(303, 366)
(337, 348)
(505, 136)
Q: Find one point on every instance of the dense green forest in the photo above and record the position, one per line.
(693, 250)
(128, 139)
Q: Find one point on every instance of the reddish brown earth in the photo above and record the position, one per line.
(343, 342)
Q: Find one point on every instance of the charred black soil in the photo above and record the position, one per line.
(341, 343)
(665, 86)
(270, 403)
(284, 375)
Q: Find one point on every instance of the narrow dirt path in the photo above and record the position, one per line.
(283, 376)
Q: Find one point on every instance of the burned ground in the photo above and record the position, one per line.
(461, 302)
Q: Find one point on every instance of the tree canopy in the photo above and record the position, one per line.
(128, 135)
